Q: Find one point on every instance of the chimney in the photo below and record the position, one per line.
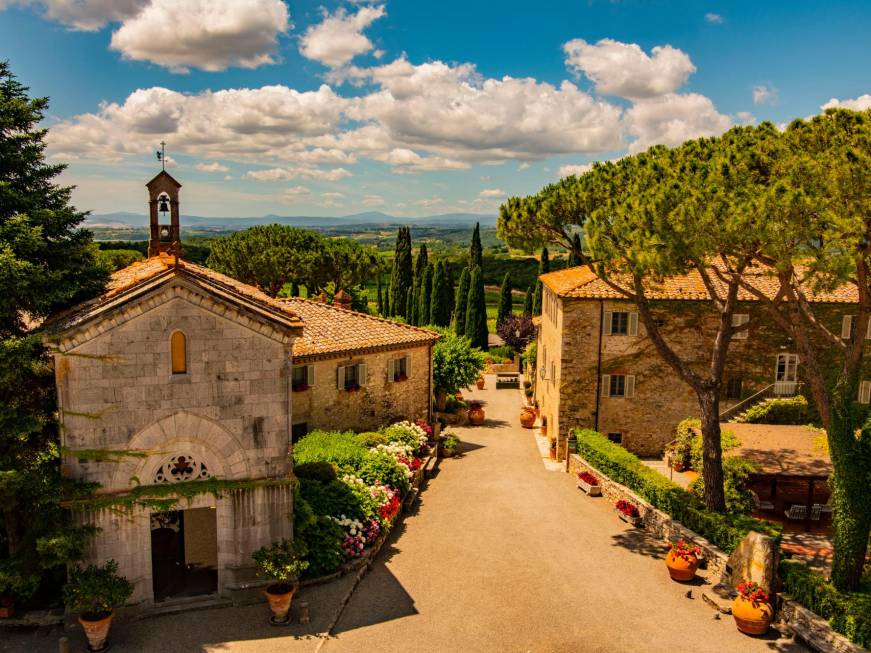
(342, 300)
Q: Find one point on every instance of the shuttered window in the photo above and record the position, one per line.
(618, 385)
(351, 377)
(399, 369)
(740, 319)
(621, 323)
(303, 377)
(846, 327)
(865, 392)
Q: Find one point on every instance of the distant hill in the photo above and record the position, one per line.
(123, 220)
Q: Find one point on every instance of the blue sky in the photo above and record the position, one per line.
(411, 108)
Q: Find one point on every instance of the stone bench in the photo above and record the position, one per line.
(507, 381)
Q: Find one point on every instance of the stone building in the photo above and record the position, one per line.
(174, 393)
(597, 369)
(353, 371)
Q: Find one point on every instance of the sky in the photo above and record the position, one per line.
(409, 107)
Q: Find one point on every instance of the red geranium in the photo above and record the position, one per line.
(752, 592)
(684, 550)
(390, 509)
(588, 478)
(627, 508)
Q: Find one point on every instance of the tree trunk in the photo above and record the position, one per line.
(851, 500)
(712, 454)
(441, 397)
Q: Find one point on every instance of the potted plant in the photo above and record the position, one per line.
(449, 445)
(480, 382)
(628, 512)
(14, 585)
(682, 560)
(572, 443)
(544, 425)
(94, 592)
(476, 413)
(752, 609)
(527, 417)
(282, 562)
(552, 448)
(589, 484)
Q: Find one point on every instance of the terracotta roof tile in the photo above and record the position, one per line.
(582, 283)
(330, 330)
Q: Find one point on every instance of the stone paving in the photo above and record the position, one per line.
(501, 555)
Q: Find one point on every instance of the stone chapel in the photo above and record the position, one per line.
(174, 394)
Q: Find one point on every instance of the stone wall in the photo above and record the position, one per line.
(661, 400)
(813, 629)
(380, 401)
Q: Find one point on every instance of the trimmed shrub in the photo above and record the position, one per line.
(736, 474)
(316, 471)
(849, 613)
(723, 530)
(341, 449)
(320, 536)
(382, 468)
(793, 410)
(333, 498)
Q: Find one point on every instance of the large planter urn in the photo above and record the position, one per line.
(527, 417)
(7, 607)
(480, 382)
(476, 415)
(752, 617)
(681, 567)
(279, 596)
(96, 627)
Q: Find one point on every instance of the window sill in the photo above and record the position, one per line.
(180, 378)
(300, 388)
(400, 379)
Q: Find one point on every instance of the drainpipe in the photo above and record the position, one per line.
(599, 364)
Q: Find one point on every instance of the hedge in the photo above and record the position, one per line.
(849, 613)
(722, 530)
(792, 410)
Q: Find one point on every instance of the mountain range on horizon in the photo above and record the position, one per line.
(126, 220)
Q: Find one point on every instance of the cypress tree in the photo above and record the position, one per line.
(440, 307)
(401, 279)
(575, 255)
(543, 268)
(380, 298)
(294, 289)
(414, 316)
(421, 263)
(476, 311)
(527, 303)
(387, 306)
(426, 296)
(505, 300)
(476, 252)
(409, 298)
(460, 299)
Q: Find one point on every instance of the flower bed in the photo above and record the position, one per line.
(351, 489)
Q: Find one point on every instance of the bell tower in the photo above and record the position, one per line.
(165, 234)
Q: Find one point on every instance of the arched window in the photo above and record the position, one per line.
(178, 350)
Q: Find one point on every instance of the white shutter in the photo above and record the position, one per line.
(606, 325)
(606, 385)
(740, 319)
(629, 387)
(865, 392)
(408, 366)
(361, 373)
(309, 375)
(868, 331)
(391, 370)
(846, 326)
(633, 324)
(340, 378)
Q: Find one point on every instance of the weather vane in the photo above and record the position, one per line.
(161, 155)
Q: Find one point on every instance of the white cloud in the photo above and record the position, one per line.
(295, 192)
(298, 172)
(406, 161)
(332, 200)
(716, 19)
(857, 104)
(491, 193)
(339, 38)
(84, 15)
(429, 202)
(207, 34)
(746, 118)
(212, 167)
(672, 119)
(523, 165)
(373, 200)
(228, 177)
(574, 169)
(625, 70)
(765, 94)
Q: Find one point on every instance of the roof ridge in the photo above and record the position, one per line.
(376, 318)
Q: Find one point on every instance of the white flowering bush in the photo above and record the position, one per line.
(414, 435)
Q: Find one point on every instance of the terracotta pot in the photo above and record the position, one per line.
(681, 568)
(7, 607)
(752, 618)
(527, 418)
(553, 453)
(279, 597)
(445, 453)
(480, 382)
(476, 416)
(97, 630)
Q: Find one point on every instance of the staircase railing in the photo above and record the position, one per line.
(741, 406)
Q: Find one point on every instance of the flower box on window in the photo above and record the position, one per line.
(589, 484)
(354, 387)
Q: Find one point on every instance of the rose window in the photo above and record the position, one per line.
(181, 468)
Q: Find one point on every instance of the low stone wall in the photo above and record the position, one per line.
(656, 521)
(813, 629)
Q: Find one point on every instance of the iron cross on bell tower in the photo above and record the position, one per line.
(164, 236)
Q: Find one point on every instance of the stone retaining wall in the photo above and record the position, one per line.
(656, 521)
(813, 629)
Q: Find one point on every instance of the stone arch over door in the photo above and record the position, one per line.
(182, 433)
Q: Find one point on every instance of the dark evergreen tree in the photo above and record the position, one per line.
(440, 303)
(476, 252)
(460, 303)
(506, 307)
(380, 297)
(48, 262)
(426, 295)
(401, 278)
(476, 311)
(575, 255)
(294, 289)
(543, 268)
(527, 302)
(409, 298)
(421, 262)
(387, 307)
(414, 316)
